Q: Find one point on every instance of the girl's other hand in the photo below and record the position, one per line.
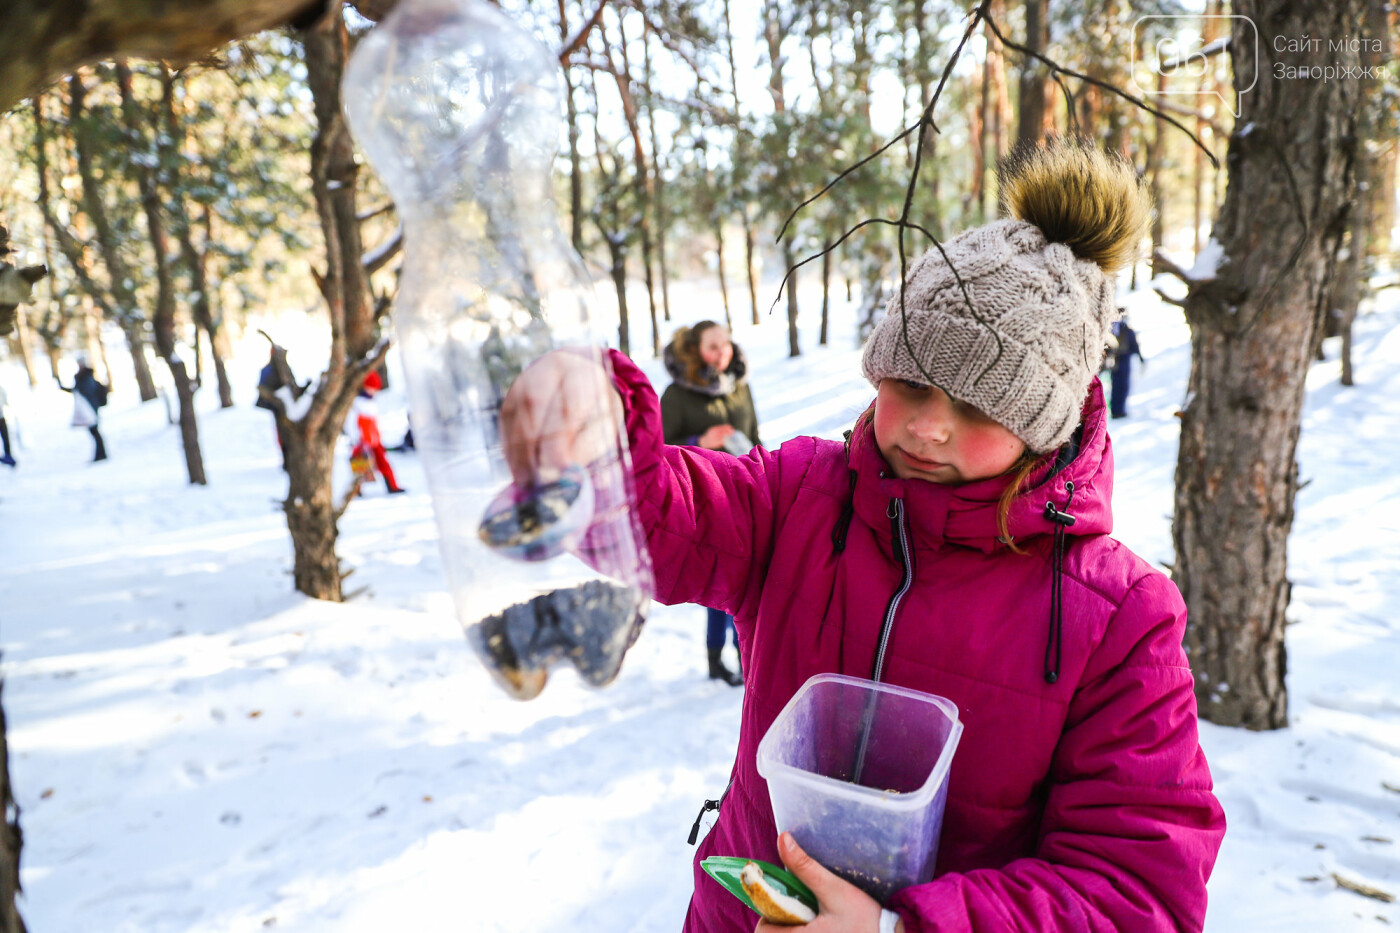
(842, 907)
(713, 439)
(561, 410)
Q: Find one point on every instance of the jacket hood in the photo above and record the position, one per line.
(715, 384)
(966, 514)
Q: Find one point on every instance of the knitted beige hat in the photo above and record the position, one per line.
(1041, 292)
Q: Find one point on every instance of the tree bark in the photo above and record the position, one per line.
(309, 439)
(43, 39)
(1255, 326)
(928, 139)
(164, 319)
(11, 840)
(826, 292)
(617, 252)
(575, 163)
(1153, 171)
(641, 185)
(1031, 129)
(719, 267)
(794, 349)
(201, 308)
(658, 180)
(1358, 248)
(122, 301)
(740, 167)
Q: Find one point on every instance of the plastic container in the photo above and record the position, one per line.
(858, 772)
(459, 110)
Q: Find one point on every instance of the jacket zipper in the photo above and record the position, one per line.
(904, 554)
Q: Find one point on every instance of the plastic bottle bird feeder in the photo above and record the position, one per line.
(459, 111)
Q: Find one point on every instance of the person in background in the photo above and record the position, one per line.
(276, 375)
(371, 445)
(88, 396)
(1122, 373)
(708, 404)
(9, 458)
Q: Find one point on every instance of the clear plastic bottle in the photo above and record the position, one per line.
(459, 111)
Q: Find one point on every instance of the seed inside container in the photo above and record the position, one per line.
(591, 625)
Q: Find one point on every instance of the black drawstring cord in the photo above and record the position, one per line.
(848, 511)
(1061, 521)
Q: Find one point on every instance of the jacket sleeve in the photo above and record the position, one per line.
(708, 515)
(1131, 827)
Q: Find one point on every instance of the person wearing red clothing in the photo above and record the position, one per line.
(371, 445)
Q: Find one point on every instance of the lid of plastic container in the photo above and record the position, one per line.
(770, 768)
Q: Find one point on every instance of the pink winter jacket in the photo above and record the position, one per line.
(1079, 805)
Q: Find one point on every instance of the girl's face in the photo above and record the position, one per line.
(715, 348)
(926, 434)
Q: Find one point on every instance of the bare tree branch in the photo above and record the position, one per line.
(40, 40)
(379, 257)
(581, 37)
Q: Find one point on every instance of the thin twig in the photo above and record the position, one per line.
(1165, 263)
(581, 36)
(1179, 302)
(832, 246)
(1364, 890)
(1071, 107)
(837, 180)
(1055, 66)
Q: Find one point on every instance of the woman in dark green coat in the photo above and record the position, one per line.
(708, 404)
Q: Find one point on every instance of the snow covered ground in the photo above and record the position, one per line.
(197, 748)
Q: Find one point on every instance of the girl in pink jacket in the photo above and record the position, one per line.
(957, 543)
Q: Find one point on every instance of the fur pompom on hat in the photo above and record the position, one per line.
(1041, 293)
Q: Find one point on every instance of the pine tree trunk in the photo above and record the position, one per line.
(826, 292)
(923, 72)
(165, 285)
(1254, 327)
(136, 344)
(123, 294)
(311, 518)
(788, 258)
(575, 166)
(11, 840)
(658, 181)
(740, 166)
(1032, 91)
(719, 267)
(309, 440)
(748, 265)
(1153, 171)
(617, 251)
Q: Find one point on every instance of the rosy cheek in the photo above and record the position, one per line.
(988, 452)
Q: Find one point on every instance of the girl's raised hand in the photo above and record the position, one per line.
(561, 410)
(842, 907)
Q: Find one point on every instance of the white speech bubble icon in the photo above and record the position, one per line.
(1180, 49)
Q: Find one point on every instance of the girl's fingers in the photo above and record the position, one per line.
(561, 411)
(811, 872)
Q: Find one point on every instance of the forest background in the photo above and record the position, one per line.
(177, 200)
